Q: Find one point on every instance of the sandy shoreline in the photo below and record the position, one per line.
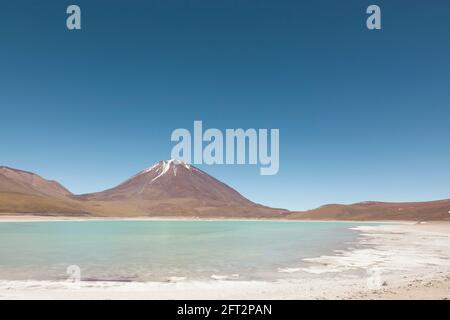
(40, 218)
(392, 261)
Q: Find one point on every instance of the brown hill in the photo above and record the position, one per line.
(371, 210)
(24, 182)
(26, 192)
(17, 204)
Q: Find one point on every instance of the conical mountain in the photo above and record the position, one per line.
(171, 179)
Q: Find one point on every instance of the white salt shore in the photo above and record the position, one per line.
(394, 261)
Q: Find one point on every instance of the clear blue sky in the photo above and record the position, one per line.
(363, 115)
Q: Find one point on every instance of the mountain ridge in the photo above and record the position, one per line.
(168, 188)
(378, 210)
(172, 188)
(21, 181)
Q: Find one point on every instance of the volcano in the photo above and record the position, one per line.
(173, 187)
(168, 180)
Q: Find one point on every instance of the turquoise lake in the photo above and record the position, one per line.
(158, 250)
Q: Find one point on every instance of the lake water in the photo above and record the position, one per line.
(158, 250)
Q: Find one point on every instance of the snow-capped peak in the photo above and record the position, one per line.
(162, 167)
(165, 165)
(176, 162)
